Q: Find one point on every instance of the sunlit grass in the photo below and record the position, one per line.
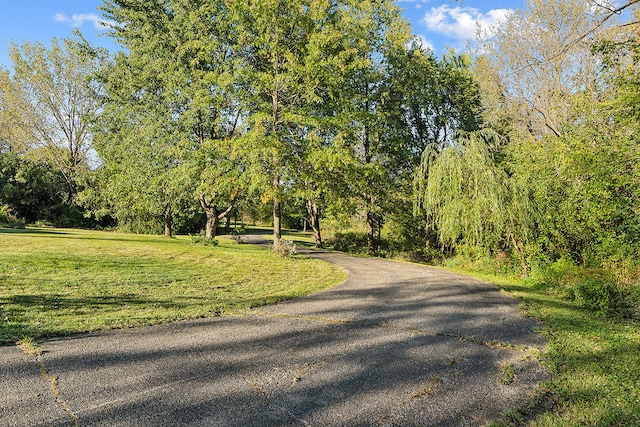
(594, 359)
(55, 282)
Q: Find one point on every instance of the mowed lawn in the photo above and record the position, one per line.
(63, 281)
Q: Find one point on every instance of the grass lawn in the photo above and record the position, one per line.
(63, 281)
(595, 362)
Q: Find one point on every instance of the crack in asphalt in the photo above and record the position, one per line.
(337, 381)
(34, 353)
(53, 381)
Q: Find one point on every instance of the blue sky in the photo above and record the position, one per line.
(439, 23)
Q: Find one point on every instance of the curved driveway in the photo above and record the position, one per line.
(397, 344)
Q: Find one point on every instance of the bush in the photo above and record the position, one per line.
(237, 232)
(604, 296)
(431, 256)
(350, 242)
(596, 289)
(201, 239)
(8, 219)
(285, 248)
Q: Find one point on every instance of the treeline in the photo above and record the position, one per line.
(332, 110)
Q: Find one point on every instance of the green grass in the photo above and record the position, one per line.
(594, 359)
(61, 281)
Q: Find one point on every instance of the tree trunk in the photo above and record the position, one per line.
(520, 251)
(168, 224)
(371, 241)
(277, 227)
(227, 224)
(212, 224)
(213, 216)
(314, 221)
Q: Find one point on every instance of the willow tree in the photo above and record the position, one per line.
(473, 204)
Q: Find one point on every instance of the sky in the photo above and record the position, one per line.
(440, 24)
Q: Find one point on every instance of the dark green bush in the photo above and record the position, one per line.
(350, 242)
(8, 219)
(603, 296)
(201, 239)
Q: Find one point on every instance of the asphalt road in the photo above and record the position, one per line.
(395, 345)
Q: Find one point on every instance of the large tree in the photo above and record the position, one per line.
(543, 57)
(281, 42)
(362, 109)
(180, 74)
(47, 103)
(557, 178)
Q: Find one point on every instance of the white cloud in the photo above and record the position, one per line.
(461, 23)
(77, 19)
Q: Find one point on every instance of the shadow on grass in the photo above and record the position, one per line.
(386, 349)
(35, 315)
(594, 360)
(36, 231)
(89, 235)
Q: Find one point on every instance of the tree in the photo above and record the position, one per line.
(47, 102)
(178, 83)
(278, 40)
(361, 112)
(569, 181)
(543, 56)
(475, 206)
(222, 182)
(35, 191)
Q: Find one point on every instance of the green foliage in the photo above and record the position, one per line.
(237, 232)
(201, 239)
(602, 296)
(350, 242)
(593, 357)
(601, 291)
(508, 374)
(592, 201)
(8, 219)
(35, 191)
(47, 103)
(471, 202)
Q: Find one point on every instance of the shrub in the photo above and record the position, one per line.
(604, 296)
(596, 289)
(237, 232)
(431, 256)
(285, 248)
(8, 219)
(201, 239)
(350, 242)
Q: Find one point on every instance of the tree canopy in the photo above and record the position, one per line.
(332, 113)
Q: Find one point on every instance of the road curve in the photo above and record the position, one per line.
(396, 344)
